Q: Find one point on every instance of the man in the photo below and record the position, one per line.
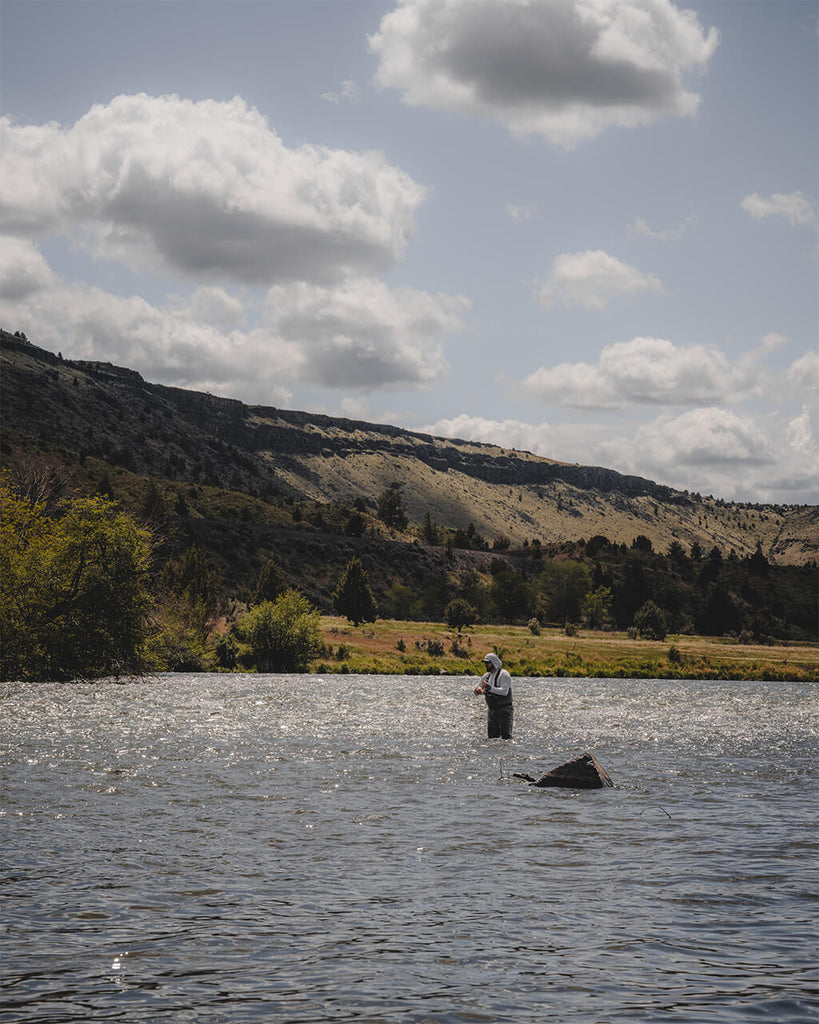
(496, 686)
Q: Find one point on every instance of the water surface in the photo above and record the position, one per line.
(222, 848)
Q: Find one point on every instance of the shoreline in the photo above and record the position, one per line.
(434, 649)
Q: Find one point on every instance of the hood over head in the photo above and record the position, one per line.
(493, 660)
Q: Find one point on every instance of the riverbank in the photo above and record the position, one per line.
(394, 647)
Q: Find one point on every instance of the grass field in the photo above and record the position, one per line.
(428, 648)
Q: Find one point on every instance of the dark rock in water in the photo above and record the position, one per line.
(584, 772)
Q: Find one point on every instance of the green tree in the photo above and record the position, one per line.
(355, 525)
(74, 593)
(353, 597)
(676, 553)
(631, 593)
(180, 635)
(460, 613)
(758, 563)
(404, 601)
(650, 622)
(284, 635)
(510, 594)
(719, 614)
(429, 531)
(391, 509)
(195, 577)
(596, 611)
(270, 583)
(564, 585)
(154, 512)
(188, 607)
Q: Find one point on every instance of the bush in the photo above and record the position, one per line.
(284, 635)
(179, 640)
(460, 613)
(227, 651)
(534, 627)
(458, 648)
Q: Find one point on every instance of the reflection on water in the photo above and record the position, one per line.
(293, 848)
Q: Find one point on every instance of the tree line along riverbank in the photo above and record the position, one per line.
(91, 589)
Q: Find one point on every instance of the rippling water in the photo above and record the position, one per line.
(230, 849)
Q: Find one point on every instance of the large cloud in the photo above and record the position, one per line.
(646, 371)
(710, 450)
(563, 69)
(364, 335)
(356, 337)
(208, 190)
(709, 436)
(592, 279)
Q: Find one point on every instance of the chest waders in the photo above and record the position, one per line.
(499, 715)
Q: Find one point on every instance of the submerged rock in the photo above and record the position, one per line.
(584, 772)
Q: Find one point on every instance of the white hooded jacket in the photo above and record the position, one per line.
(498, 682)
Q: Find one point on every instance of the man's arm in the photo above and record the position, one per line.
(501, 684)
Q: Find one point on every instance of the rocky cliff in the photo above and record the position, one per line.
(92, 408)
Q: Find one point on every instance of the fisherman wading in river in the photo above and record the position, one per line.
(496, 686)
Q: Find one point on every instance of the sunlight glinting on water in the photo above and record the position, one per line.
(258, 848)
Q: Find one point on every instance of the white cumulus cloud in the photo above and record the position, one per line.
(365, 335)
(360, 335)
(207, 190)
(23, 270)
(709, 436)
(592, 279)
(804, 372)
(710, 450)
(795, 207)
(563, 69)
(646, 371)
(800, 434)
(538, 438)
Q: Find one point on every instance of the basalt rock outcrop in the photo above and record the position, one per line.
(583, 772)
(82, 409)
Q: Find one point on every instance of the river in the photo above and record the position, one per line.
(223, 849)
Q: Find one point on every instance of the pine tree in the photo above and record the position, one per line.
(353, 597)
(270, 583)
(391, 509)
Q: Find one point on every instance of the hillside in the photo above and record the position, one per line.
(87, 412)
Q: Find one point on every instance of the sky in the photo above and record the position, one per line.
(581, 228)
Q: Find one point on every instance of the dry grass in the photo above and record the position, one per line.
(431, 648)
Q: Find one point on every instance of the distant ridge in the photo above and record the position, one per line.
(81, 408)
